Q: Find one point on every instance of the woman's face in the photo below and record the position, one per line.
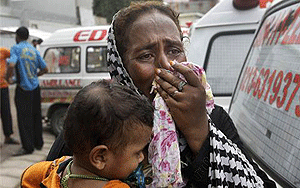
(154, 41)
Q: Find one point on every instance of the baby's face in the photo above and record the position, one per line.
(126, 161)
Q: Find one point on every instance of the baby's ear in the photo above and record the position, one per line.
(99, 156)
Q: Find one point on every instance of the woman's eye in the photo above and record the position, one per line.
(145, 57)
(174, 52)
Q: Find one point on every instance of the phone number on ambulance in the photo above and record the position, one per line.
(266, 84)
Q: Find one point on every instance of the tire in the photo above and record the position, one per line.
(57, 120)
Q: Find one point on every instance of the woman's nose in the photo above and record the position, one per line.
(163, 61)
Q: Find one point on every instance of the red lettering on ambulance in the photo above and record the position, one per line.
(291, 39)
(90, 35)
(288, 80)
(96, 36)
(283, 26)
(61, 83)
(297, 110)
(249, 81)
(81, 36)
(72, 82)
(297, 81)
(53, 83)
(275, 27)
(270, 81)
(278, 88)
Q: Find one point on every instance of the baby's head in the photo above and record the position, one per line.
(107, 126)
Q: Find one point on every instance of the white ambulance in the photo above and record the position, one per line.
(75, 57)
(265, 106)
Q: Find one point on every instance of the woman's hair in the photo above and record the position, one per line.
(106, 113)
(126, 16)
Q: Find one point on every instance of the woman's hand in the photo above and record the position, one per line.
(187, 106)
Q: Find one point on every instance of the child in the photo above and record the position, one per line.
(107, 127)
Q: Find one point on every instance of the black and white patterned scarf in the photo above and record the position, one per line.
(114, 62)
(228, 165)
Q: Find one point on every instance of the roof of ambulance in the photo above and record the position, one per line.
(66, 36)
(224, 13)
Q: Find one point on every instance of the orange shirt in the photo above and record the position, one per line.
(4, 54)
(45, 172)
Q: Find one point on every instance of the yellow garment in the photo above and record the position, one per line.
(4, 54)
(45, 172)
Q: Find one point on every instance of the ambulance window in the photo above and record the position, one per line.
(63, 60)
(96, 59)
(230, 48)
(266, 102)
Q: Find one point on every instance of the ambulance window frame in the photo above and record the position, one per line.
(210, 45)
(86, 59)
(52, 47)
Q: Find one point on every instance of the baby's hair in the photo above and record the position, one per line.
(106, 113)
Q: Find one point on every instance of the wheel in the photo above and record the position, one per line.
(57, 120)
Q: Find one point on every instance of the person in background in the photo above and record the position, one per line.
(34, 43)
(6, 118)
(107, 138)
(146, 53)
(28, 64)
(39, 42)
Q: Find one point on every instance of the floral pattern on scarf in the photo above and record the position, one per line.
(164, 151)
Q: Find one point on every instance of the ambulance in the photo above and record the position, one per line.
(265, 106)
(75, 57)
